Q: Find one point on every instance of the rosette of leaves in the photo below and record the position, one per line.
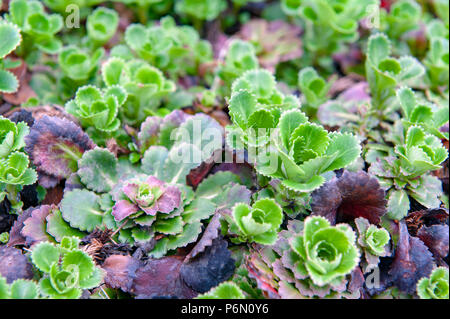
(314, 88)
(146, 86)
(19, 289)
(435, 286)
(329, 24)
(14, 170)
(385, 73)
(177, 50)
(78, 64)
(38, 28)
(428, 116)
(150, 203)
(259, 223)
(88, 197)
(66, 269)
(240, 58)
(11, 38)
(226, 290)
(372, 240)
(403, 16)
(404, 172)
(102, 24)
(11, 136)
(200, 9)
(217, 192)
(98, 108)
(302, 152)
(328, 252)
(274, 41)
(255, 108)
(281, 272)
(437, 58)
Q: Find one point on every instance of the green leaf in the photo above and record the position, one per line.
(436, 286)
(154, 159)
(59, 228)
(407, 100)
(98, 170)
(171, 226)
(226, 290)
(81, 209)
(398, 204)
(11, 38)
(347, 148)
(289, 121)
(102, 24)
(24, 289)
(8, 82)
(242, 105)
(378, 48)
(44, 255)
(94, 280)
(199, 209)
(82, 260)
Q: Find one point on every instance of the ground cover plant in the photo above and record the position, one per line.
(226, 149)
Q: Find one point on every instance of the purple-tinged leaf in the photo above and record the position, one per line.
(14, 265)
(436, 238)
(55, 145)
(35, 227)
(412, 261)
(208, 269)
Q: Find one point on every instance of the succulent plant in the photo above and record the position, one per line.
(435, 286)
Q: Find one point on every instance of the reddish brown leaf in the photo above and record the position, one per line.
(348, 197)
(412, 261)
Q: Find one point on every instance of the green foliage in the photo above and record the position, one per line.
(226, 290)
(14, 170)
(329, 23)
(405, 170)
(102, 24)
(176, 50)
(98, 108)
(241, 57)
(255, 108)
(145, 85)
(11, 38)
(426, 115)
(327, 252)
(314, 88)
(19, 289)
(304, 151)
(200, 9)
(437, 59)
(259, 223)
(11, 136)
(78, 64)
(66, 269)
(97, 170)
(38, 28)
(81, 209)
(373, 241)
(385, 73)
(435, 286)
(403, 16)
